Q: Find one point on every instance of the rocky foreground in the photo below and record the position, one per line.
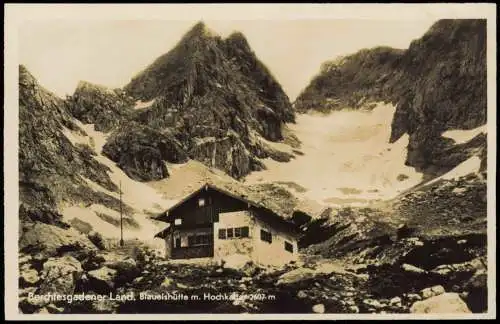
(424, 252)
(135, 279)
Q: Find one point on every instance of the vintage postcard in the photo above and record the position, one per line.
(250, 161)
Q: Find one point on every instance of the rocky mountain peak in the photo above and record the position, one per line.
(99, 105)
(239, 40)
(200, 29)
(213, 96)
(198, 38)
(85, 86)
(25, 76)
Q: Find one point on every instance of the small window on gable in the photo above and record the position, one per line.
(266, 236)
(201, 202)
(289, 246)
(229, 233)
(222, 233)
(178, 221)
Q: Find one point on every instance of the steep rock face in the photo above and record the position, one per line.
(437, 84)
(226, 153)
(370, 74)
(51, 167)
(266, 86)
(447, 71)
(207, 87)
(140, 151)
(94, 104)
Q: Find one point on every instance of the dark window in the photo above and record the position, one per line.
(233, 232)
(205, 239)
(266, 236)
(289, 247)
(199, 239)
(177, 242)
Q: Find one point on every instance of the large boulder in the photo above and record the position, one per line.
(478, 280)
(451, 271)
(28, 277)
(127, 269)
(59, 276)
(97, 239)
(125, 265)
(432, 291)
(102, 280)
(318, 308)
(50, 240)
(297, 275)
(413, 269)
(93, 261)
(235, 261)
(447, 303)
(477, 288)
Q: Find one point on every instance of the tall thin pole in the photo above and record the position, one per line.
(121, 216)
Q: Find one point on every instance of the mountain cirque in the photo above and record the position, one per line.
(426, 82)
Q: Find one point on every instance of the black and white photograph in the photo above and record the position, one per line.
(248, 162)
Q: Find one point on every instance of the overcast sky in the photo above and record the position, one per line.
(60, 53)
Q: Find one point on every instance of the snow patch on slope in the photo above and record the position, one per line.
(89, 216)
(75, 138)
(144, 199)
(345, 149)
(143, 104)
(463, 136)
(470, 165)
(137, 194)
